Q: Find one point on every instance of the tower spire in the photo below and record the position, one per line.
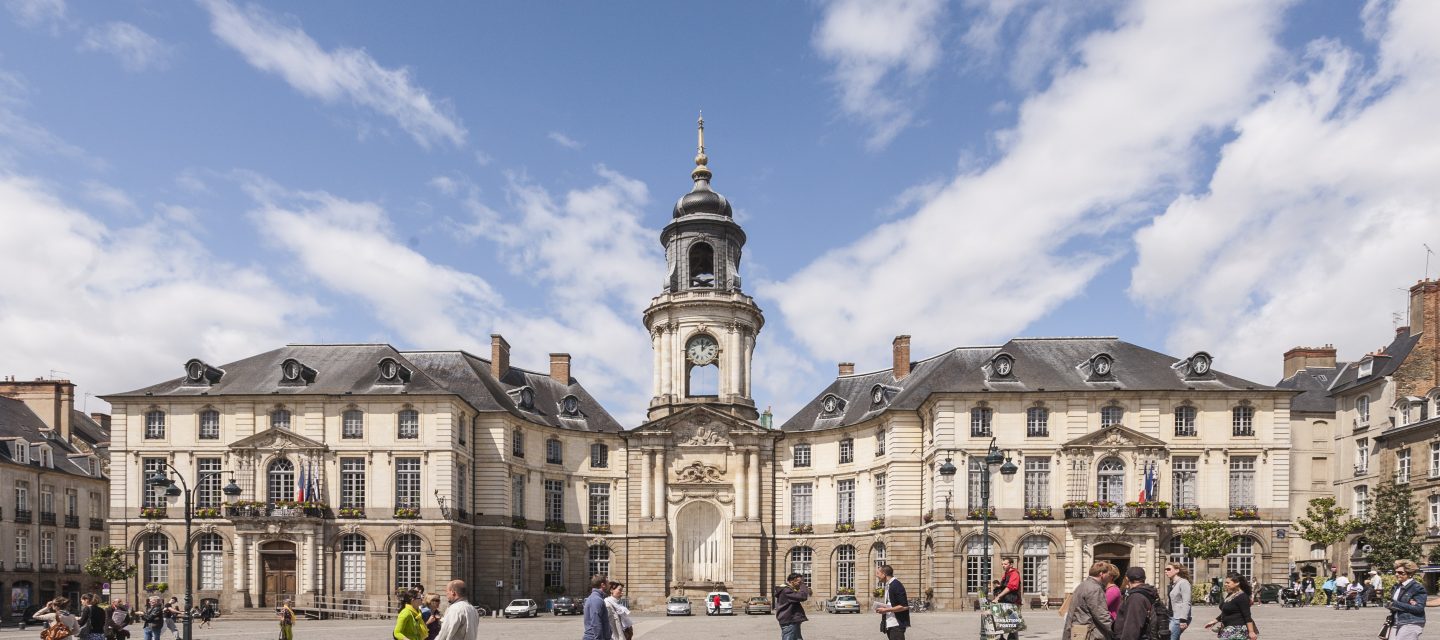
(702, 171)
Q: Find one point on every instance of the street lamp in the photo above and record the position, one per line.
(160, 479)
(993, 456)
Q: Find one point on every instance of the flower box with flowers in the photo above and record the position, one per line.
(1244, 513)
(982, 514)
(928, 517)
(207, 512)
(845, 592)
(1038, 513)
(350, 512)
(157, 587)
(152, 512)
(519, 522)
(408, 513)
(600, 529)
(844, 527)
(555, 590)
(878, 522)
(879, 592)
(245, 509)
(802, 528)
(1184, 513)
(555, 526)
(1148, 508)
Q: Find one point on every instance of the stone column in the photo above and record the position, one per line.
(646, 480)
(742, 477)
(734, 347)
(242, 560)
(655, 366)
(660, 484)
(749, 355)
(667, 368)
(753, 503)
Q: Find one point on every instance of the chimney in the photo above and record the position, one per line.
(847, 368)
(901, 353)
(1300, 357)
(1425, 308)
(50, 400)
(499, 356)
(103, 419)
(560, 368)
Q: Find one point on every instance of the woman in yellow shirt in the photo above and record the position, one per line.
(409, 626)
(286, 614)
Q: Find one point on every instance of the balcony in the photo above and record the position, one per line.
(1039, 513)
(280, 510)
(97, 524)
(47, 517)
(72, 568)
(1244, 512)
(72, 522)
(1185, 512)
(519, 522)
(407, 511)
(24, 566)
(1186, 432)
(350, 512)
(1102, 509)
(1361, 469)
(47, 567)
(153, 513)
(22, 516)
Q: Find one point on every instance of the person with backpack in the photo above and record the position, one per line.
(1138, 610)
(1179, 598)
(1009, 583)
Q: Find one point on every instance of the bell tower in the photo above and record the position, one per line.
(702, 326)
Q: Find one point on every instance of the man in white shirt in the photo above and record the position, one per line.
(461, 621)
(1341, 582)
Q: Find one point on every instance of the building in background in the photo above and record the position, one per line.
(1311, 371)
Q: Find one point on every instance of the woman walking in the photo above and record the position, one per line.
(172, 611)
(92, 618)
(57, 612)
(1179, 598)
(1406, 603)
(286, 614)
(621, 626)
(409, 625)
(207, 613)
(1234, 619)
(1114, 592)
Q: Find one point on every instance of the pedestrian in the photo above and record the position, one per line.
(1234, 620)
(1407, 603)
(1377, 585)
(207, 613)
(1329, 588)
(19, 606)
(622, 627)
(895, 609)
(790, 607)
(1135, 610)
(1009, 583)
(1088, 619)
(597, 619)
(153, 618)
(714, 604)
(1114, 591)
(56, 613)
(1308, 586)
(119, 619)
(408, 625)
(1180, 607)
(430, 615)
(1342, 588)
(286, 616)
(92, 618)
(172, 611)
(1367, 589)
(461, 621)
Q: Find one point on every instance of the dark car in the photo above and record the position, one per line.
(1269, 592)
(565, 606)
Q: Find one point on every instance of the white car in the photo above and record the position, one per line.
(522, 608)
(727, 608)
(843, 603)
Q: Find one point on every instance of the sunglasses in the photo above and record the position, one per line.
(1401, 572)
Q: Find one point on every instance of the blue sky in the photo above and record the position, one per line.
(212, 179)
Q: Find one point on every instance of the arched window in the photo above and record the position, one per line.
(1111, 415)
(1037, 422)
(1110, 481)
(1185, 420)
(155, 425)
(878, 554)
(157, 558)
(702, 265)
(1035, 565)
(801, 457)
(408, 427)
(1242, 420)
(280, 480)
(1180, 555)
(702, 366)
(845, 568)
(407, 560)
(554, 566)
(352, 424)
(599, 560)
(211, 549)
(880, 442)
(352, 562)
(517, 565)
(980, 419)
(802, 561)
(1242, 559)
(209, 425)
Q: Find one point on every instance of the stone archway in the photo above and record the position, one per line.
(702, 546)
(1116, 553)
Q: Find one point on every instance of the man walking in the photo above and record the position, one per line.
(790, 606)
(1088, 618)
(895, 609)
(597, 617)
(461, 621)
(1009, 583)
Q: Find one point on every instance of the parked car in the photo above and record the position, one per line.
(727, 608)
(565, 606)
(1269, 592)
(843, 603)
(678, 606)
(757, 605)
(522, 608)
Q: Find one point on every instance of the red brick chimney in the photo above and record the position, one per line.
(847, 368)
(560, 368)
(102, 419)
(1425, 308)
(900, 349)
(1301, 357)
(499, 356)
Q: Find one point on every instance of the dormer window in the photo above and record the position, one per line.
(570, 406)
(22, 451)
(1196, 366)
(831, 406)
(199, 374)
(46, 459)
(1367, 367)
(1101, 367)
(392, 372)
(880, 395)
(524, 398)
(94, 465)
(1001, 367)
(294, 373)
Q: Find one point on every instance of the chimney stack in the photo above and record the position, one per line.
(50, 400)
(847, 368)
(901, 353)
(560, 368)
(102, 419)
(499, 356)
(1301, 357)
(1425, 308)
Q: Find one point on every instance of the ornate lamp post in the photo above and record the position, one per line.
(993, 456)
(161, 479)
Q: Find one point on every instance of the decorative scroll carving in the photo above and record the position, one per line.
(703, 434)
(699, 472)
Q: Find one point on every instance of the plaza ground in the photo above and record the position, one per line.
(1275, 623)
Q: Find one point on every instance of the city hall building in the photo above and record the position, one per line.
(362, 468)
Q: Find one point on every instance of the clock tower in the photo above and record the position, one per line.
(702, 325)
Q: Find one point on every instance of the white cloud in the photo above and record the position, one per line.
(880, 51)
(108, 196)
(338, 74)
(136, 50)
(120, 307)
(564, 140)
(37, 13)
(1030, 38)
(24, 135)
(995, 249)
(1316, 211)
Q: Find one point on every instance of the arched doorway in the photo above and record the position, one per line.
(1115, 553)
(702, 551)
(277, 567)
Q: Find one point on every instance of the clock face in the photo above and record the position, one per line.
(1002, 366)
(702, 350)
(1201, 365)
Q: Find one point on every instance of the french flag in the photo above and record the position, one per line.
(300, 486)
(1147, 492)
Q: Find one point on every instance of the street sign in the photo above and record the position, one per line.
(499, 584)
(105, 589)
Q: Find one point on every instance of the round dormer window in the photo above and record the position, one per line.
(195, 371)
(527, 398)
(292, 370)
(830, 404)
(1004, 365)
(877, 395)
(1200, 364)
(570, 405)
(389, 369)
(1103, 365)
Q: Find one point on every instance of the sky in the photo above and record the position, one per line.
(217, 178)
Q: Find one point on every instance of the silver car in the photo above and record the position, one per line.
(678, 606)
(843, 604)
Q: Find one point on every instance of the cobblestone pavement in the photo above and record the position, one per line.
(1275, 623)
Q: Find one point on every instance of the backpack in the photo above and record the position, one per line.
(1157, 620)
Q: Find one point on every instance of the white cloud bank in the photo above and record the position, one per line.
(135, 49)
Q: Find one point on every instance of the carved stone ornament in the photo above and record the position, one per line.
(1116, 439)
(406, 529)
(350, 529)
(272, 529)
(699, 472)
(207, 528)
(596, 541)
(702, 434)
(152, 527)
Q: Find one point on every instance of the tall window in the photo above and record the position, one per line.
(280, 419)
(1242, 482)
(1111, 415)
(517, 496)
(554, 566)
(462, 479)
(517, 565)
(598, 560)
(880, 494)
(1180, 555)
(599, 457)
(802, 561)
(1242, 420)
(1362, 501)
(980, 418)
(1402, 466)
(155, 425)
(157, 558)
(1362, 455)
(975, 578)
(94, 545)
(1362, 410)
(408, 427)
(22, 496)
(47, 547)
(802, 454)
(352, 424)
(207, 485)
(879, 442)
(800, 496)
(72, 503)
(1037, 483)
(1242, 559)
(407, 559)
(554, 501)
(280, 480)
(1434, 511)
(71, 552)
(976, 476)
(209, 425)
(153, 496)
(22, 546)
(1185, 420)
(1037, 422)
(599, 505)
(1035, 565)
(517, 443)
(1186, 483)
(212, 561)
(352, 483)
(352, 562)
(47, 499)
(845, 501)
(554, 453)
(1435, 460)
(407, 483)
(845, 567)
(847, 450)
(1110, 480)
(879, 555)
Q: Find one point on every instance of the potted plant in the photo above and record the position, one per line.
(879, 592)
(408, 513)
(555, 526)
(844, 527)
(845, 592)
(981, 514)
(158, 587)
(207, 512)
(1038, 513)
(1183, 513)
(518, 522)
(802, 528)
(350, 512)
(1244, 513)
(152, 512)
(878, 522)
(601, 529)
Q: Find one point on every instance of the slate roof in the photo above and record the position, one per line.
(88, 430)
(1313, 383)
(18, 421)
(342, 369)
(1384, 365)
(1041, 364)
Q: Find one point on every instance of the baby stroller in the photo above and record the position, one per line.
(1349, 600)
(1291, 597)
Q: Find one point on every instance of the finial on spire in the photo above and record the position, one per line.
(701, 172)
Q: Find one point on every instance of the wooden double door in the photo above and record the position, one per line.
(277, 565)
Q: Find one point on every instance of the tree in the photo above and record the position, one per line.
(1207, 539)
(1325, 523)
(1390, 528)
(108, 563)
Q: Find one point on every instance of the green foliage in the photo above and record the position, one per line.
(108, 563)
(1208, 539)
(1434, 556)
(1326, 523)
(1391, 526)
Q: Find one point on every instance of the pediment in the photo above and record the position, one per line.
(278, 439)
(701, 426)
(1115, 436)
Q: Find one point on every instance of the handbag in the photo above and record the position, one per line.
(1385, 628)
(56, 631)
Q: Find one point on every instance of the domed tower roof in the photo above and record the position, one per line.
(701, 198)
